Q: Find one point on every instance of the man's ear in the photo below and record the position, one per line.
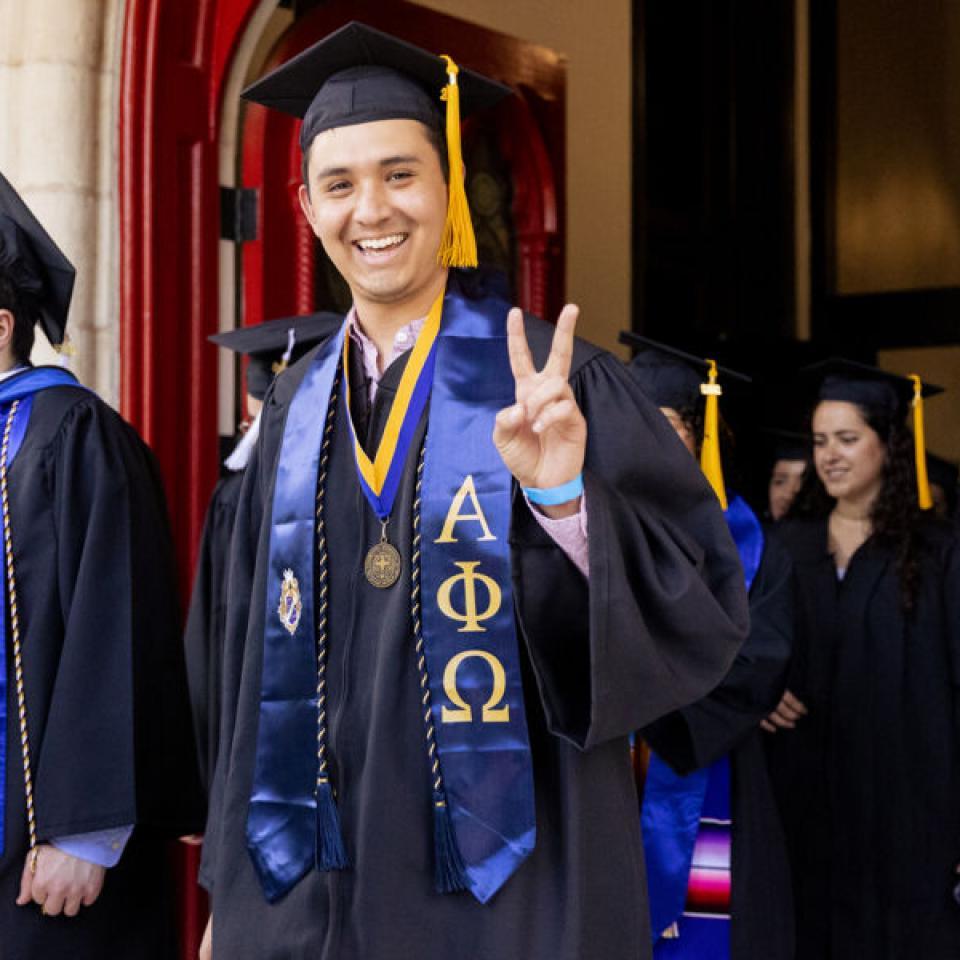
(7, 323)
(304, 195)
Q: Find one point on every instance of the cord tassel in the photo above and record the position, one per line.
(924, 497)
(458, 248)
(449, 871)
(710, 462)
(331, 854)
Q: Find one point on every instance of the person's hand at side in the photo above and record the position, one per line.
(61, 883)
(206, 947)
(788, 711)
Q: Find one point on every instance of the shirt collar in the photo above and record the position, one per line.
(403, 340)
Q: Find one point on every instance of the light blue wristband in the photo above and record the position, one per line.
(551, 496)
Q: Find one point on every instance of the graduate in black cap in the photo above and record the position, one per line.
(866, 751)
(716, 855)
(96, 753)
(469, 560)
(271, 347)
(789, 459)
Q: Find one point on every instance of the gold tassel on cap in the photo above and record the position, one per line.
(710, 451)
(458, 248)
(920, 445)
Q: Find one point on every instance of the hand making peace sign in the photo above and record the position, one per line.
(542, 438)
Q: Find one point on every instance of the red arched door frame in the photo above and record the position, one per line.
(175, 60)
(278, 266)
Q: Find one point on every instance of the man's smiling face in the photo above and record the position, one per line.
(377, 200)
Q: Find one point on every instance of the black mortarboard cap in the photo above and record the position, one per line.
(359, 75)
(671, 377)
(42, 274)
(864, 385)
(267, 343)
(787, 444)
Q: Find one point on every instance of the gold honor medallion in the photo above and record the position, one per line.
(290, 604)
(382, 565)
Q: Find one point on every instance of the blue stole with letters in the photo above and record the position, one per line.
(679, 811)
(22, 387)
(469, 629)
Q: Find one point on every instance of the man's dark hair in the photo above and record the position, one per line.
(436, 136)
(24, 316)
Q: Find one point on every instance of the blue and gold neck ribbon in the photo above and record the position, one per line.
(380, 477)
(282, 817)
(22, 387)
(686, 822)
(469, 633)
(468, 611)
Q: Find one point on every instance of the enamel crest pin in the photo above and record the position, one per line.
(290, 605)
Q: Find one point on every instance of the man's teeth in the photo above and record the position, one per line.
(381, 243)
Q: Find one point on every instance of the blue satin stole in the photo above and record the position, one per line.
(674, 805)
(468, 617)
(22, 387)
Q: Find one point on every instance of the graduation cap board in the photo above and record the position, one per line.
(674, 378)
(787, 444)
(361, 75)
(859, 383)
(37, 265)
(273, 345)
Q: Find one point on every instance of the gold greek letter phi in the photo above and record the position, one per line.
(470, 617)
(491, 712)
(454, 516)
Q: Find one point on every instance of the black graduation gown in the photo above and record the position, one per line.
(107, 706)
(206, 621)
(869, 782)
(728, 722)
(662, 619)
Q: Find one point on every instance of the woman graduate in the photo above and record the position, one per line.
(866, 756)
(716, 857)
(469, 559)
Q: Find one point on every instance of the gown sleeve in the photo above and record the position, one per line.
(665, 610)
(114, 747)
(243, 557)
(204, 632)
(698, 735)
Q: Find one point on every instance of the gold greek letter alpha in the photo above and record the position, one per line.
(454, 516)
(469, 617)
(491, 713)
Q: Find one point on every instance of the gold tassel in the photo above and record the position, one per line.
(458, 248)
(920, 445)
(710, 451)
(65, 348)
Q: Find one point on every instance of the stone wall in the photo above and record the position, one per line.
(59, 82)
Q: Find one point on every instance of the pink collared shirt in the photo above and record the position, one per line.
(569, 534)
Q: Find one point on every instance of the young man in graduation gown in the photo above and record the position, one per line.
(716, 854)
(271, 347)
(96, 755)
(469, 559)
